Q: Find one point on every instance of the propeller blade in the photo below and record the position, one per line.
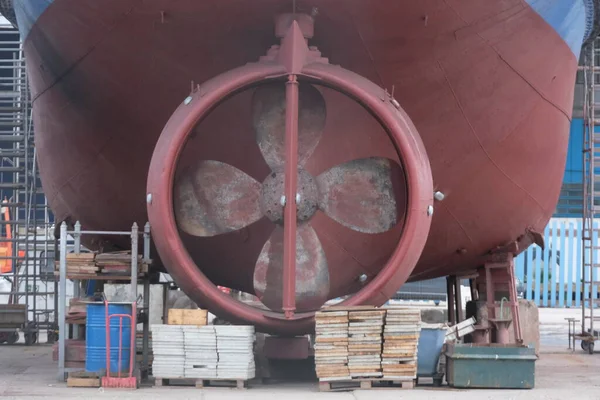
(269, 105)
(312, 273)
(215, 198)
(363, 195)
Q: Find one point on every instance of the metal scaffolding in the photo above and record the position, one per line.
(591, 196)
(27, 251)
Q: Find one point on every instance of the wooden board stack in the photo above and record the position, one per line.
(77, 311)
(81, 264)
(401, 336)
(364, 343)
(103, 264)
(118, 262)
(83, 379)
(331, 345)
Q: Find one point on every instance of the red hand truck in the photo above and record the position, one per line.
(130, 381)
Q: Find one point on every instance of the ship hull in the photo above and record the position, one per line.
(488, 85)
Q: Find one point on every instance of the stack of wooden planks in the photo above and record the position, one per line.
(83, 379)
(364, 343)
(75, 350)
(77, 311)
(81, 264)
(115, 263)
(103, 264)
(366, 347)
(331, 345)
(401, 336)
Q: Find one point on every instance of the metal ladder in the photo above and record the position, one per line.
(30, 223)
(591, 195)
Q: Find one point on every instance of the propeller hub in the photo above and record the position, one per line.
(273, 188)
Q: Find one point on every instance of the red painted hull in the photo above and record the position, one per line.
(488, 85)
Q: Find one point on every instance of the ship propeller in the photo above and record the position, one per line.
(308, 206)
(214, 198)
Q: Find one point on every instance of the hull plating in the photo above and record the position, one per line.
(488, 85)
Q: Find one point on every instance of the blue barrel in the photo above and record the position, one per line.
(95, 356)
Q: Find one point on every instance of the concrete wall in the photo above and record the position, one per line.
(120, 292)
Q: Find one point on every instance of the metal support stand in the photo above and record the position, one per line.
(572, 322)
(450, 292)
(134, 262)
(456, 313)
(460, 314)
(499, 274)
(62, 300)
(63, 331)
(76, 283)
(146, 327)
(473, 288)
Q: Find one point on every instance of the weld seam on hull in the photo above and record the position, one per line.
(462, 110)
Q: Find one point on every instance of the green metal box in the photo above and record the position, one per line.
(490, 366)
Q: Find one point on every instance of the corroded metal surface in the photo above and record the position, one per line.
(216, 198)
(269, 107)
(311, 274)
(307, 201)
(360, 194)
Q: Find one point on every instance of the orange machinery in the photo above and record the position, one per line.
(6, 246)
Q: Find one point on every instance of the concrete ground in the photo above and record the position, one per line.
(28, 372)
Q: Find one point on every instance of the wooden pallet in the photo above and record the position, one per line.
(82, 379)
(178, 316)
(355, 384)
(202, 383)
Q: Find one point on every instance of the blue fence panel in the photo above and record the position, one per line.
(529, 254)
(538, 274)
(572, 244)
(552, 274)
(561, 269)
(520, 268)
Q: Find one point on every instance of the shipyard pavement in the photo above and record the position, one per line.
(28, 372)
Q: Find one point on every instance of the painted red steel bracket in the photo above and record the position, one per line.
(289, 215)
